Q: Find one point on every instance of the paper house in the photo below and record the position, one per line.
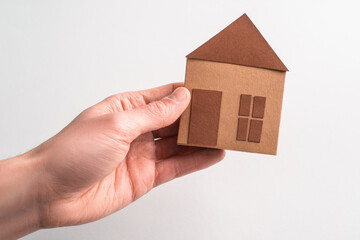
(236, 81)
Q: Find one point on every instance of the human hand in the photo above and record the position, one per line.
(113, 153)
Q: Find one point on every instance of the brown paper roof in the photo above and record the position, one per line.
(240, 43)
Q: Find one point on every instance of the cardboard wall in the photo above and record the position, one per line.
(233, 80)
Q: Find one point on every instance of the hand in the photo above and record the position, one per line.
(113, 153)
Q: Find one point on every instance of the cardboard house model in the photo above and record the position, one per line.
(236, 82)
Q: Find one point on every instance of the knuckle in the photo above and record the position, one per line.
(177, 169)
(85, 112)
(115, 121)
(162, 107)
(126, 101)
(159, 108)
(136, 100)
(119, 124)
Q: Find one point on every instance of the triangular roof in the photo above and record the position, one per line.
(240, 43)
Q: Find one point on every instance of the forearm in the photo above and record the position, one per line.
(19, 196)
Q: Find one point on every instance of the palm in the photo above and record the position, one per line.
(116, 172)
(134, 177)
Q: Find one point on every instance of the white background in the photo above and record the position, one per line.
(59, 57)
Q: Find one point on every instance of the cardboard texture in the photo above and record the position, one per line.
(240, 43)
(239, 80)
(204, 118)
(237, 85)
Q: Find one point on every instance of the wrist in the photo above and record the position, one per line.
(20, 202)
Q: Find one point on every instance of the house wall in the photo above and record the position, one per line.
(234, 80)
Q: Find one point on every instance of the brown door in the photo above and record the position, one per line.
(204, 117)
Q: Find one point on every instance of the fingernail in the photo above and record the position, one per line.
(180, 94)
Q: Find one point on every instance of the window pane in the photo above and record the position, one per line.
(245, 102)
(255, 130)
(258, 107)
(242, 129)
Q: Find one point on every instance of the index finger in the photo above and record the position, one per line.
(157, 93)
(130, 100)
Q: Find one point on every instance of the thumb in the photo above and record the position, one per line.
(158, 114)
